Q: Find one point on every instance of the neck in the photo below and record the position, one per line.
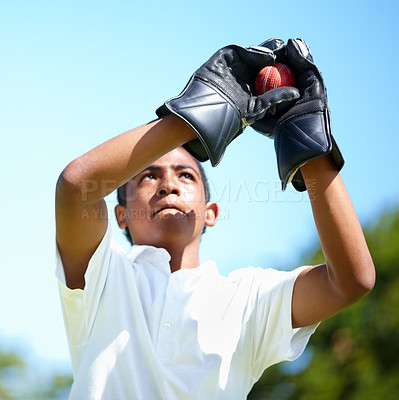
(182, 256)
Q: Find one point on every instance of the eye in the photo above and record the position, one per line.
(187, 175)
(147, 176)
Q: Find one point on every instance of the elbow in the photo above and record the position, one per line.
(71, 185)
(367, 278)
(362, 287)
(371, 277)
(357, 282)
(361, 283)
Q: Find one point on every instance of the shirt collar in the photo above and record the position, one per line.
(148, 253)
(160, 258)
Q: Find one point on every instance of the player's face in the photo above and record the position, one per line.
(166, 201)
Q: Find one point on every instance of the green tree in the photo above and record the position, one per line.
(355, 354)
(17, 380)
(10, 366)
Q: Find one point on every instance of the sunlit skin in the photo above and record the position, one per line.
(166, 207)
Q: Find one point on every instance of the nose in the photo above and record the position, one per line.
(168, 185)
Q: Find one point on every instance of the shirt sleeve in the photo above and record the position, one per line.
(80, 306)
(274, 338)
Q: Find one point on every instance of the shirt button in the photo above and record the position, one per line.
(168, 325)
(167, 350)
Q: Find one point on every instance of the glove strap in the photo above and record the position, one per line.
(212, 116)
(300, 140)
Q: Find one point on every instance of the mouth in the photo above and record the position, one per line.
(166, 207)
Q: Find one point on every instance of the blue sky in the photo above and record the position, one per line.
(75, 73)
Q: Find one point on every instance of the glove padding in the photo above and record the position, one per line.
(304, 131)
(219, 102)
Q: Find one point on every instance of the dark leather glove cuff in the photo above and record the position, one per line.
(301, 139)
(212, 116)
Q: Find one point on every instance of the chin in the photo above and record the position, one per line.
(174, 229)
(173, 232)
(170, 230)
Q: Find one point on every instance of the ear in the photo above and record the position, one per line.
(120, 216)
(211, 213)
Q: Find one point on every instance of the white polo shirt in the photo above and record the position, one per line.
(138, 331)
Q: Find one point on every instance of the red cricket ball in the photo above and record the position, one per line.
(272, 77)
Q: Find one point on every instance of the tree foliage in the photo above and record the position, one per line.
(355, 354)
(18, 380)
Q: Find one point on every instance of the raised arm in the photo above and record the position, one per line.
(214, 108)
(348, 274)
(308, 156)
(81, 212)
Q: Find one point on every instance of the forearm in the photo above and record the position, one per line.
(100, 171)
(349, 264)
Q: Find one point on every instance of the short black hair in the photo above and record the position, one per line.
(121, 196)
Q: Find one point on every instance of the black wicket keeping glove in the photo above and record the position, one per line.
(304, 131)
(218, 102)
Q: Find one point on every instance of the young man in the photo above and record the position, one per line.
(157, 324)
